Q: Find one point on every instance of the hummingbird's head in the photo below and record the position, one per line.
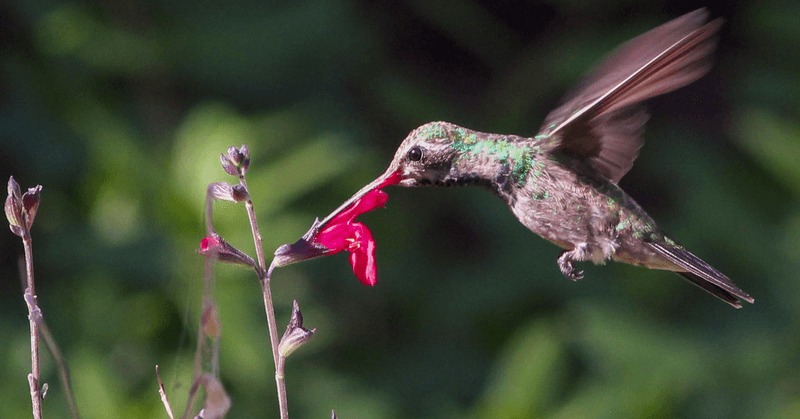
(425, 156)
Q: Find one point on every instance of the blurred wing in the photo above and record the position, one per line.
(601, 121)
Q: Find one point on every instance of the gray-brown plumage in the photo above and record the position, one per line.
(562, 183)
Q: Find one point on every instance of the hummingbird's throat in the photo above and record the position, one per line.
(498, 162)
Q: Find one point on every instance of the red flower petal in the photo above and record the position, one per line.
(392, 179)
(371, 200)
(335, 236)
(340, 228)
(208, 243)
(362, 256)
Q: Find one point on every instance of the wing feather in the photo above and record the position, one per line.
(602, 120)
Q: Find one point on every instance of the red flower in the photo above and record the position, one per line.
(216, 246)
(341, 233)
(207, 243)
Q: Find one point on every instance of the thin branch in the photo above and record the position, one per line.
(269, 308)
(33, 313)
(163, 394)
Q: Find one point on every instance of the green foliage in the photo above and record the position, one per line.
(121, 109)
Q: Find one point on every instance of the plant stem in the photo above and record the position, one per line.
(280, 368)
(280, 383)
(163, 392)
(264, 277)
(33, 314)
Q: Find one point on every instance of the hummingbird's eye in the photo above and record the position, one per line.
(415, 153)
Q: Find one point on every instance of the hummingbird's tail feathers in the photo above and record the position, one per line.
(711, 288)
(696, 271)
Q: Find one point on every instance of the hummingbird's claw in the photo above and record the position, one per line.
(565, 263)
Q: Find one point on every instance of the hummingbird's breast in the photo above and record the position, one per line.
(571, 205)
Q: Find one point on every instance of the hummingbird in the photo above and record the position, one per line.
(562, 183)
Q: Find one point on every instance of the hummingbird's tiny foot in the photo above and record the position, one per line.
(565, 263)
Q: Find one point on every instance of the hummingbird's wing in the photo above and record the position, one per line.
(696, 271)
(601, 121)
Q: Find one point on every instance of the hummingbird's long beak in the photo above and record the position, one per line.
(388, 178)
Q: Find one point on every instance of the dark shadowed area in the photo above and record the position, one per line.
(120, 109)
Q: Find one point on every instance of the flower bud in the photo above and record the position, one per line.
(20, 208)
(236, 160)
(296, 335)
(217, 401)
(226, 192)
(216, 246)
(30, 204)
(13, 207)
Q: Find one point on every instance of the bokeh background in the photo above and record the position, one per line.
(120, 109)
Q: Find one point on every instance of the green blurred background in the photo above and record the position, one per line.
(120, 109)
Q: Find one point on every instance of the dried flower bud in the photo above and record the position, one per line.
(233, 155)
(216, 246)
(13, 188)
(296, 335)
(244, 158)
(30, 203)
(20, 208)
(13, 207)
(239, 193)
(228, 166)
(226, 192)
(297, 317)
(217, 401)
(236, 160)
